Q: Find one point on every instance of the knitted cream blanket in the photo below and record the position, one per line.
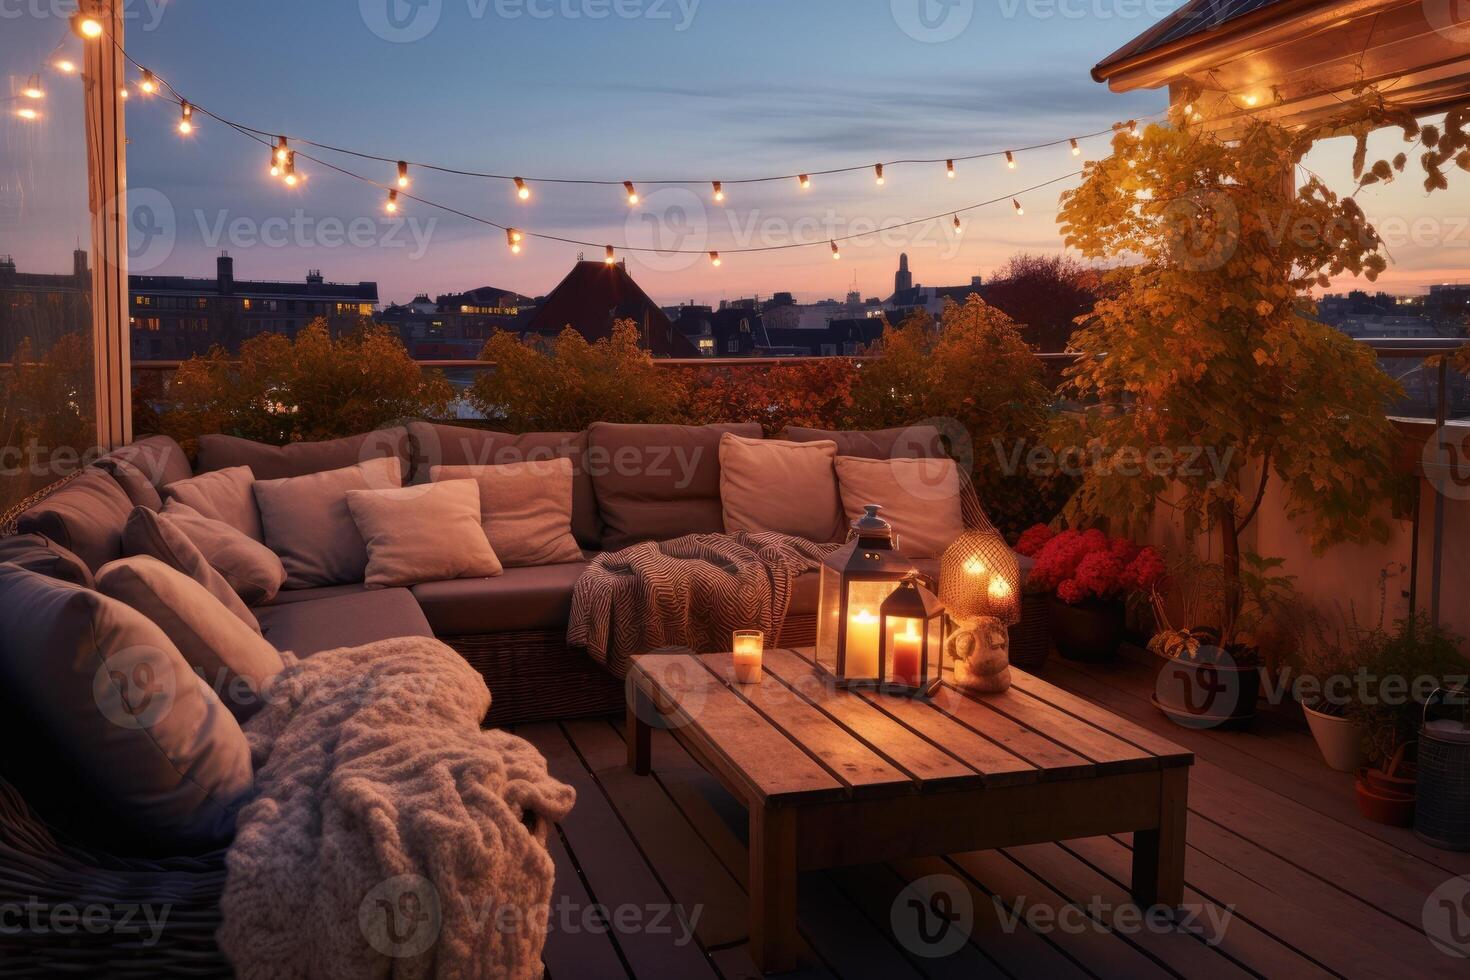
(390, 836)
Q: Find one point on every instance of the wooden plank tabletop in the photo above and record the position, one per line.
(796, 738)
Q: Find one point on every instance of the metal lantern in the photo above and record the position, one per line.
(855, 579)
(911, 631)
(979, 575)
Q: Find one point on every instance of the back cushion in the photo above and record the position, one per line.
(156, 536)
(308, 524)
(222, 495)
(111, 710)
(45, 557)
(453, 445)
(905, 442)
(218, 452)
(86, 517)
(145, 467)
(657, 482)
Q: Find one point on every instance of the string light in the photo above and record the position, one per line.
(1010, 160)
(611, 256)
(33, 88)
(148, 83)
(878, 172)
(123, 94)
(186, 118)
(949, 169)
(86, 27)
(26, 112)
(1133, 127)
(806, 182)
(402, 174)
(714, 259)
(522, 191)
(65, 66)
(275, 169)
(836, 252)
(632, 192)
(957, 225)
(1252, 99)
(719, 193)
(392, 206)
(1076, 150)
(513, 240)
(1017, 205)
(291, 179)
(283, 149)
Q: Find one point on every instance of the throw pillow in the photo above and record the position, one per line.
(156, 536)
(223, 495)
(236, 663)
(111, 709)
(920, 498)
(43, 556)
(791, 487)
(428, 533)
(251, 569)
(525, 509)
(308, 525)
(85, 516)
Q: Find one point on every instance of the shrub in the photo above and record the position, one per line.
(815, 394)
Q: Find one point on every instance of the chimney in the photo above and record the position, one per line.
(7, 268)
(314, 277)
(79, 265)
(225, 273)
(975, 282)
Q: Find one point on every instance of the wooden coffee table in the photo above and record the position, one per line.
(834, 778)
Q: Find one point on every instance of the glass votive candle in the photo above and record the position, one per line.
(748, 645)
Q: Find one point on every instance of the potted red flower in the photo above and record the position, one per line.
(1088, 578)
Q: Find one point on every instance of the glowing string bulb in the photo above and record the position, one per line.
(33, 88)
(65, 66)
(806, 182)
(275, 165)
(186, 118)
(878, 173)
(1017, 205)
(719, 192)
(123, 94)
(283, 149)
(87, 27)
(522, 191)
(1133, 127)
(1076, 150)
(513, 240)
(148, 84)
(27, 113)
(402, 174)
(957, 226)
(1252, 99)
(949, 168)
(632, 192)
(392, 206)
(291, 179)
(836, 252)
(714, 259)
(611, 256)
(1010, 160)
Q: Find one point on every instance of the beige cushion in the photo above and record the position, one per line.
(525, 509)
(157, 536)
(422, 534)
(86, 517)
(224, 495)
(307, 523)
(920, 498)
(236, 662)
(111, 709)
(251, 569)
(789, 487)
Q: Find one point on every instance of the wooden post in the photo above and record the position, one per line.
(1158, 854)
(103, 77)
(773, 887)
(639, 734)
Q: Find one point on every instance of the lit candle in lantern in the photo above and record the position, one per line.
(1000, 589)
(748, 645)
(862, 644)
(907, 659)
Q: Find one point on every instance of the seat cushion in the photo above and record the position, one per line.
(347, 620)
(222, 495)
(85, 517)
(905, 442)
(218, 452)
(286, 597)
(457, 445)
(537, 598)
(658, 482)
(145, 467)
(43, 556)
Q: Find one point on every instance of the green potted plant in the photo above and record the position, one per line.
(1213, 650)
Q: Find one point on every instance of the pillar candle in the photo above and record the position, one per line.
(907, 661)
(748, 646)
(862, 644)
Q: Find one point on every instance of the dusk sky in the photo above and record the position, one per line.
(652, 88)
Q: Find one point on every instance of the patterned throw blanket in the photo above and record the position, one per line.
(390, 836)
(689, 593)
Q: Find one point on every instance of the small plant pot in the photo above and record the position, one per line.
(1207, 695)
(1389, 807)
(1338, 739)
(1090, 631)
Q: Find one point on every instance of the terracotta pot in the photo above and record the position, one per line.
(1207, 695)
(1386, 807)
(1339, 740)
(1090, 631)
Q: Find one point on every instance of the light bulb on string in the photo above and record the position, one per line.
(186, 118)
(1010, 160)
(123, 94)
(714, 259)
(402, 174)
(275, 168)
(513, 238)
(27, 113)
(65, 66)
(806, 182)
(33, 88)
(719, 192)
(949, 169)
(1076, 150)
(836, 252)
(632, 192)
(1133, 127)
(392, 206)
(87, 28)
(611, 256)
(957, 226)
(1017, 205)
(283, 149)
(878, 174)
(522, 191)
(148, 83)
(291, 177)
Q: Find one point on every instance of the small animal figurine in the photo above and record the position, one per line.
(979, 648)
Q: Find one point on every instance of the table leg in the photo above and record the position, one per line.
(1158, 854)
(639, 735)
(772, 883)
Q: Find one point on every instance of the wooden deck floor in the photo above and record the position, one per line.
(1284, 878)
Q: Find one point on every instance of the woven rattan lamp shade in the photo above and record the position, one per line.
(980, 576)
